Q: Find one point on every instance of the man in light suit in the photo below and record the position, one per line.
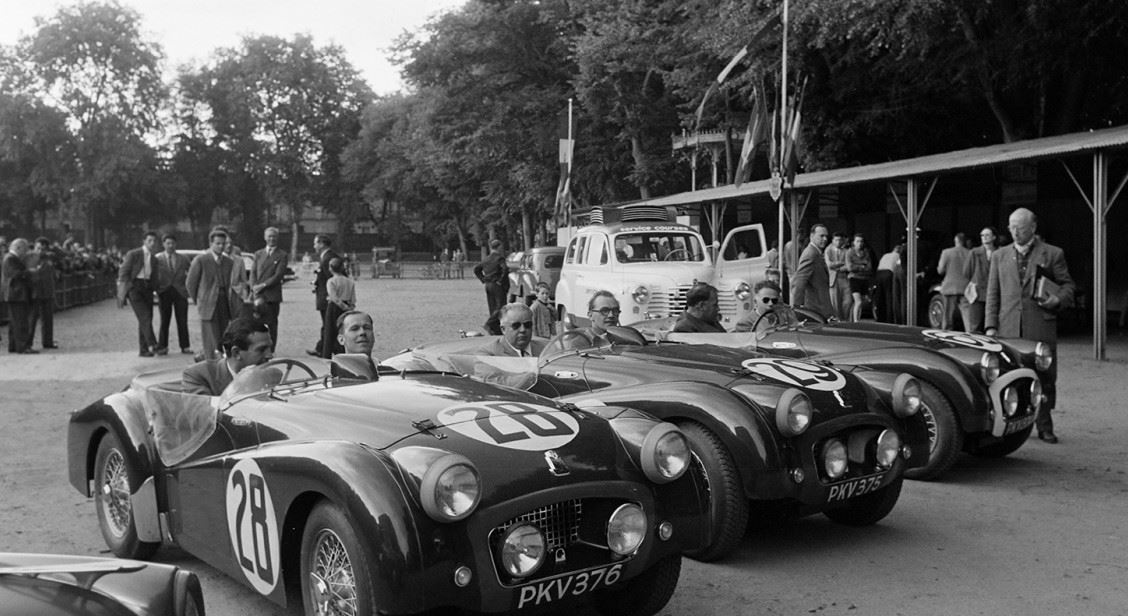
(951, 267)
(976, 270)
(172, 295)
(516, 334)
(246, 342)
(266, 281)
(811, 284)
(209, 280)
(1014, 310)
(137, 280)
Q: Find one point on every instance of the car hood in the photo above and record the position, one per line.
(50, 585)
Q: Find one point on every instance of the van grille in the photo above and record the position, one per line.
(667, 302)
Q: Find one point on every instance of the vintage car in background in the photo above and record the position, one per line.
(650, 266)
(58, 585)
(539, 264)
(777, 437)
(394, 495)
(980, 394)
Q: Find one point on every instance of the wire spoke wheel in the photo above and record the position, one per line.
(332, 577)
(114, 494)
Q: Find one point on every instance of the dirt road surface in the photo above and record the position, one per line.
(1042, 532)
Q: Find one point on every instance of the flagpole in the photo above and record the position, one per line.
(784, 280)
(568, 193)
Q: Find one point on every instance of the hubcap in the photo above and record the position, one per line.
(114, 494)
(332, 582)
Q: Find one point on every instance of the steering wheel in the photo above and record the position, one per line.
(670, 255)
(572, 339)
(773, 321)
(288, 366)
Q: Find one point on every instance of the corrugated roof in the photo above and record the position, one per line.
(934, 164)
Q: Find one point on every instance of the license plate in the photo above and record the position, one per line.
(570, 585)
(854, 487)
(1018, 424)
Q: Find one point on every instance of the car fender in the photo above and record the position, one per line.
(744, 430)
(124, 415)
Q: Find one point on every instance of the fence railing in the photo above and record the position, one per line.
(81, 288)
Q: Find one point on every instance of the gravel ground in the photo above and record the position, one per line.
(1041, 532)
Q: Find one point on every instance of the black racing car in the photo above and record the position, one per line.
(980, 394)
(392, 496)
(770, 434)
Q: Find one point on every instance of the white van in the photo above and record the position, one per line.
(650, 266)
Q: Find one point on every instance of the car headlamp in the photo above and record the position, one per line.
(451, 488)
(1010, 402)
(665, 453)
(989, 367)
(907, 396)
(641, 295)
(888, 448)
(626, 528)
(521, 550)
(1043, 356)
(793, 413)
(1036, 395)
(743, 291)
(834, 458)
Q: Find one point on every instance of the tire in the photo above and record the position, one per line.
(728, 507)
(644, 595)
(1004, 446)
(936, 311)
(187, 596)
(114, 481)
(945, 437)
(869, 509)
(334, 555)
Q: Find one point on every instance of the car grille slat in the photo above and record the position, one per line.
(667, 302)
(560, 523)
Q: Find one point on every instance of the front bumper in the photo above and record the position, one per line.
(1023, 418)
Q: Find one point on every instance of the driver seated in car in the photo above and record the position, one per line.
(246, 342)
(356, 333)
(603, 311)
(516, 334)
(767, 298)
(702, 312)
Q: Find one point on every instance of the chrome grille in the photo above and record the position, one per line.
(667, 302)
(560, 523)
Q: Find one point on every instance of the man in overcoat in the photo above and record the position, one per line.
(811, 285)
(266, 281)
(209, 280)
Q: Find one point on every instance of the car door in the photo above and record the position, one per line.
(743, 256)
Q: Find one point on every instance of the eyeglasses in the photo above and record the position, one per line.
(769, 300)
(519, 324)
(608, 311)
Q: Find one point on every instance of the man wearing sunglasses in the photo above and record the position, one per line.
(766, 299)
(516, 334)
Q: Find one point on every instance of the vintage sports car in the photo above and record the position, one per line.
(980, 394)
(778, 435)
(406, 493)
(56, 585)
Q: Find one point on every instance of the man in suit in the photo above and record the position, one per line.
(953, 261)
(246, 342)
(137, 277)
(1013, 308)
(323, 246)
(494, 276)
(516, 334)
(811, 284)
(840, 297)
(266, 281)
(976, 270)
(172, 294)
(43, 295)
(16, 290)
(209, 280)
(702, 312)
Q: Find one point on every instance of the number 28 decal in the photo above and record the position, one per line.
(513, 425)
(252, 525)
(798, 373)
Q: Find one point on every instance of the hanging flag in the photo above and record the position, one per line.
(773, 20)
(754, 135)
(790, 160)
(567, 145)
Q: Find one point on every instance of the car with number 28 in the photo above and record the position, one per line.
(351, 492)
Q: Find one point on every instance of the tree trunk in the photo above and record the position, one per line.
(640, 163)
(526, 228)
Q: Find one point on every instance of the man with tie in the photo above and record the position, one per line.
(266, 281)
(172, 294)
(516, 334)
(209, 280)
(137, 278)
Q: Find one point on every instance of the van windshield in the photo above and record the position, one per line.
(648, 246)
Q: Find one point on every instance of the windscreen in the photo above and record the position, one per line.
(651, 246)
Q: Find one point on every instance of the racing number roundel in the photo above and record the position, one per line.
(974, 341)
(513, 425)
(252, 526)
(797, 373)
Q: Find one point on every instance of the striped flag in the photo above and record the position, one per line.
(754, 135)
(567, 144)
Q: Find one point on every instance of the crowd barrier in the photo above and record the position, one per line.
(81, 288)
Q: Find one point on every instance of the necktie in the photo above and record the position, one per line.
(146, 269)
